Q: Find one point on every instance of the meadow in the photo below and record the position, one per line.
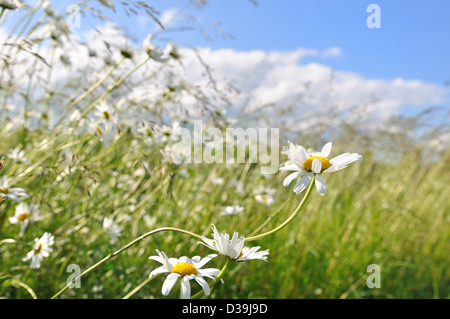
(92, 150)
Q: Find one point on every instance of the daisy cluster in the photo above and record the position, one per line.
(185, 269)
(25, 214)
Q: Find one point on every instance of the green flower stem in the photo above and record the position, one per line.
(139, 287)
(219, 276)
(114, 254)
(290, 218)
(257, 230)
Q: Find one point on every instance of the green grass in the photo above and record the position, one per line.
(394, 215)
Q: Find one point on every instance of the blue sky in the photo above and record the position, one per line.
(406, 61)
(412, 43)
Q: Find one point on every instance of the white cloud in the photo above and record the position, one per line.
(332, 52)
(282, 80)
(169, 16)
(278, 79)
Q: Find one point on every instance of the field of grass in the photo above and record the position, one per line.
(96, 144)
(394, 215)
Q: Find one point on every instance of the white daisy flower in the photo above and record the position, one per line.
(307, 165)
(232, 210)
(104, 111)
(18, 156)
(265, 195)
(156, 53)
(185, 269)
(173, 51)
(24, 215)
(12, 4)
(106, 131)
(218, 181)
(16, 193)
(42, 248)
(233, 249)
(112, 229)
(264, 199)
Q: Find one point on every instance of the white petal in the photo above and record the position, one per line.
(203, 262)
(184, 259)
(326, 149)
(343, 160)
(185, 288)
(202, 282)
(302, 152)
(332, 168)
(321, 185)
(169, 283)
(209, 272)
(316, 166)
(290, 167)
(157, 271)
(291, 177)
(302, 183)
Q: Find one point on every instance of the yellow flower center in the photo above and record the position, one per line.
(184, 269)
(99, 131)
(4, 190)
(308, 163)
(106, 114)
(38, 250)
(23, 217)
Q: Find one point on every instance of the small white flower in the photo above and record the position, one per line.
(307, 165)
(265, 199)
(233, 249)
(104, 111)
(218, 181)
(112, 229)
(16, 193)
(232, 210)
(12, 4)
(24, 215)
(42, 248)
(173, 51)
(185, 269)
(265, 195)
(106, 131)
(156, 53)
(18, 156)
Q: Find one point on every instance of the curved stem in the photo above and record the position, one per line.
(268, 219)
(290, 218)
(117, 252)
(139, 287)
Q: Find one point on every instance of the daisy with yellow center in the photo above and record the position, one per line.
(233, 249)
(24, 215)
(14, 193)
(42, 249)
(185, 269)
(305, 166)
